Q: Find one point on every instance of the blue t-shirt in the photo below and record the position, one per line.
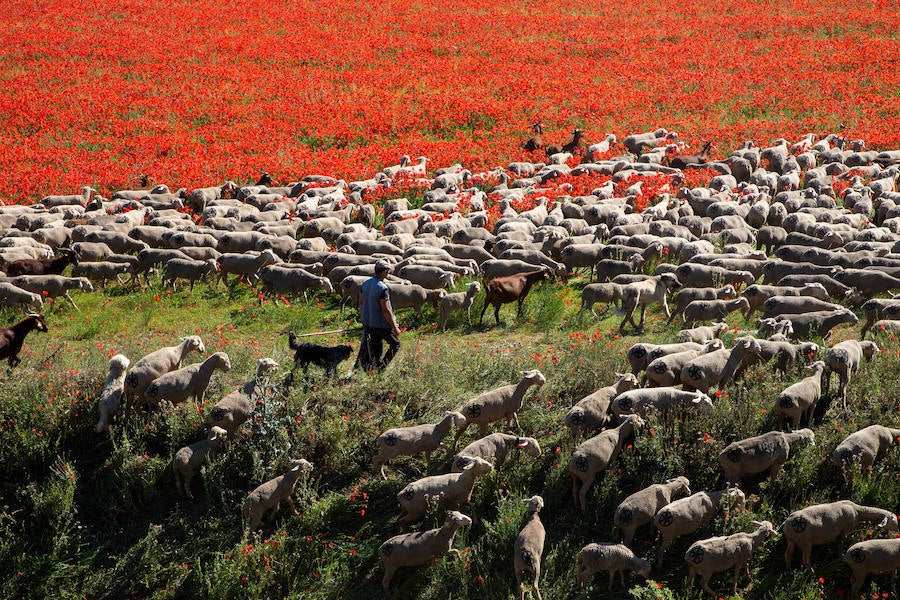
(373, 291)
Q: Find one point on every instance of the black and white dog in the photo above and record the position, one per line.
(327, 357)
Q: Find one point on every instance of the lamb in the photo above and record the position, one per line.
(447, 491)
(111, 395)
(419, 548)
(177, 386)
(234, 409)
(864, 446)
(703, 333)
(158, 363)
(593, 293)
(409, 441)
(872, 557)
(659, 398)
(756, 454)
(529, 546)
(189, 459)
(192, 270)
(823, 523)
(596, 454)
(799, 400)
(639, 508)
(707, 310)
(687, 515)
(458, 301)
(494, 448)
(272, 493)
(499, 403)
(687, 295)
(718, 367)
(714, 555)
(589, 413)
(644, 293)
(247, 266)
(615, 558)
(818, 322)
(11, 295)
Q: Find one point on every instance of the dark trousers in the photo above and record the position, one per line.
(371, 346)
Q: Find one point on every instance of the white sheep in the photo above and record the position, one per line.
(159, 362)
(247, 266)
(52, 286)
(409, 441)
(234, 409)
(758, 453)
(844, 359)
(872, 557)
(499, 403)
(823, 523)
(703, 333)
(593, 293)
(177, 386)
(662, 399)
(459, 301)
(714, 555)
(529, 547)
(11, 295)
(865, 446)
(800, 399)
(272, 493)
(189, 459)
(615, 558)
(590, 412)
(686, 515)
(639, 508)
(447, 491)
(596, 454)
(707, 310)
(419, 548)
(494, 448)
(111, 395)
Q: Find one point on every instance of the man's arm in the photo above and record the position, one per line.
(389, 316)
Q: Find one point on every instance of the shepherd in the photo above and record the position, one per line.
(378, 321)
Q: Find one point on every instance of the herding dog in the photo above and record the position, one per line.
(323, 356)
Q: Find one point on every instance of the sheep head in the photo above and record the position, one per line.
(457, 519)
(704, 402)
(535, 377)
(535, 503)
(529, 445)
(684, 486)
(119, 363)
(477, 465)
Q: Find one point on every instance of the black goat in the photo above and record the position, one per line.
(12, 337)
(41, 266)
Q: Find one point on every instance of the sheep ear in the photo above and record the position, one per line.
(697, 399)
(883, 522)
(522, 443)
(469, 465)
(295, 468)
(757, 523)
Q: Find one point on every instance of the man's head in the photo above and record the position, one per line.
(382, 268)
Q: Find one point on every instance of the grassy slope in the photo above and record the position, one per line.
(87, 515)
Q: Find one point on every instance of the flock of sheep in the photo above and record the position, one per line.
(832, 252)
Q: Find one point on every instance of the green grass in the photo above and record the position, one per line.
(97, 516)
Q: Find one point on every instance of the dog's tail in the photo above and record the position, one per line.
(292, 341)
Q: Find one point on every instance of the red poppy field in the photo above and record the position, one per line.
(194, 92)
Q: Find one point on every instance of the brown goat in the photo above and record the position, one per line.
(41, 266)
(12, 337)
(685, 160)
(535, 142)
(503, 290)
(573, 144)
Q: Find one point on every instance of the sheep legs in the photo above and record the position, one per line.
(69, 298)
(386, 580)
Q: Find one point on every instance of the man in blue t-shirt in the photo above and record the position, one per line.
(379, 323)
